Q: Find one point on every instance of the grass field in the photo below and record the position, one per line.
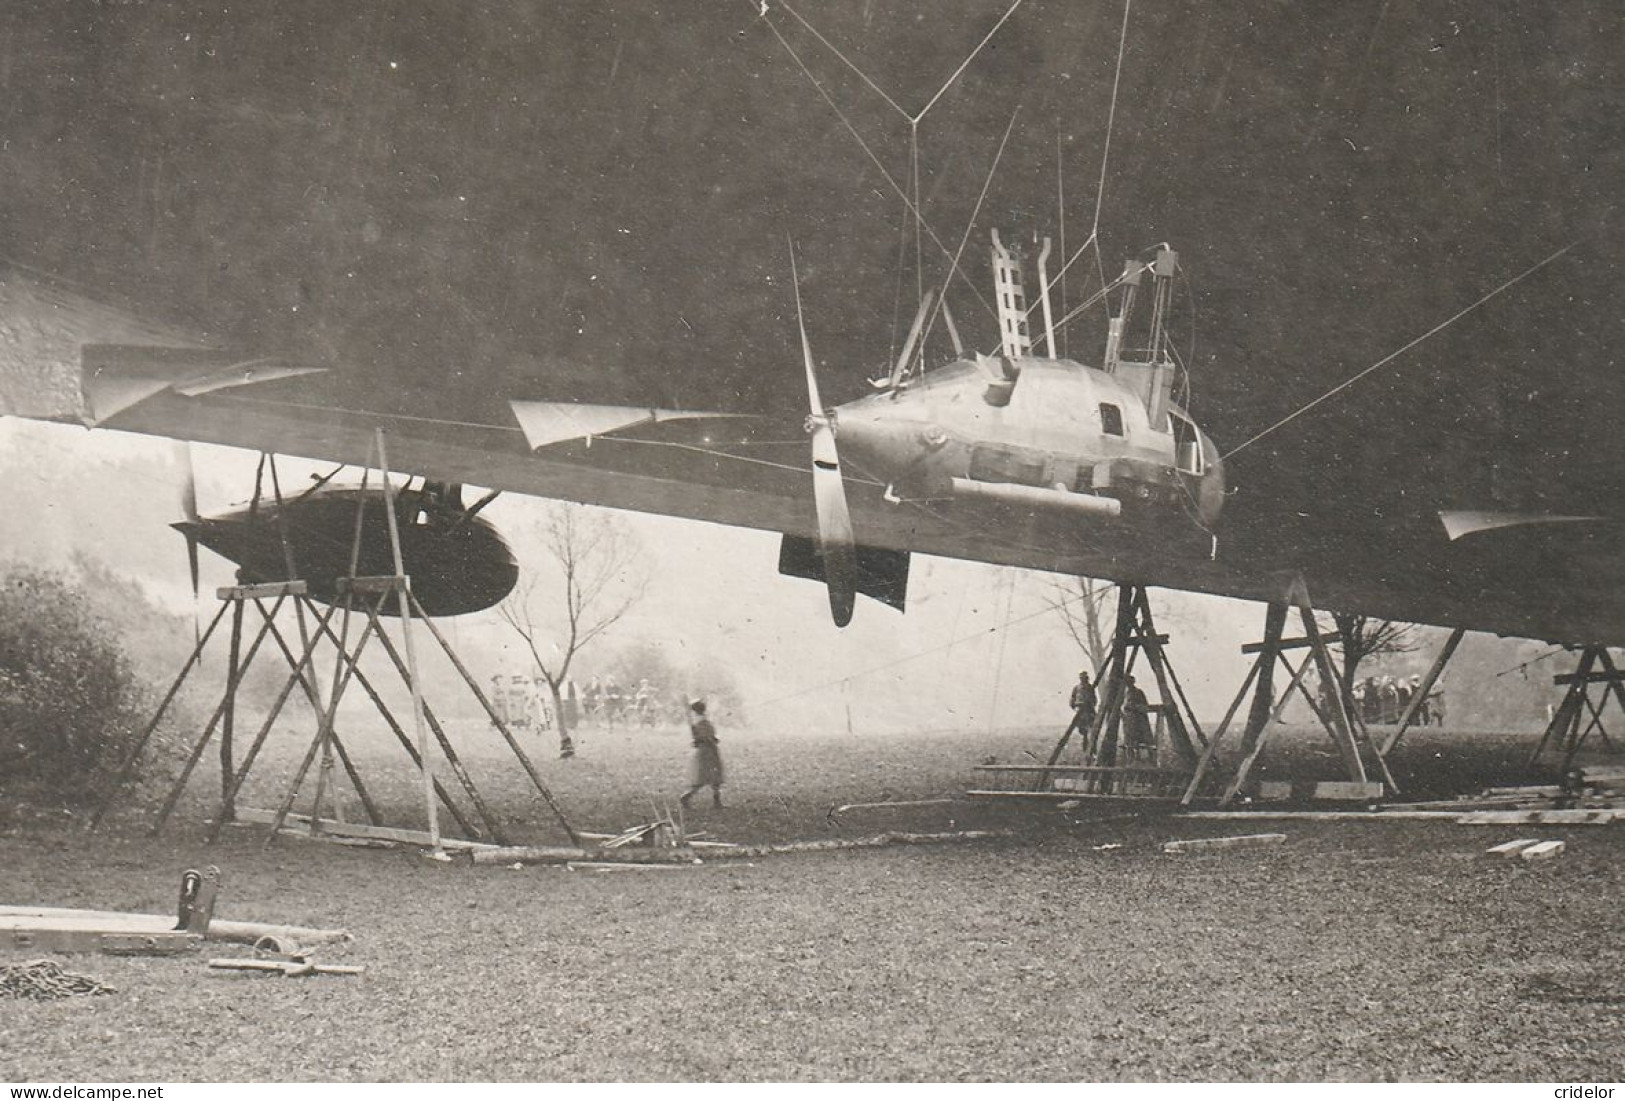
(1074, 949)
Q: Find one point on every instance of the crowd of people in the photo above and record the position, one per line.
(1377, 700)
(525, 702)
(1382, 700)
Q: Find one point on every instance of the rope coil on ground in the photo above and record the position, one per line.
(46, 980)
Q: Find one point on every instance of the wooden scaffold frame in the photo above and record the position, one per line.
(1577, 717)
(359, 595)
(1103, 772)
(1347, 732)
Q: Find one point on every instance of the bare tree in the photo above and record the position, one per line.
(1363, 637)
(599, 576)
(1078, 601)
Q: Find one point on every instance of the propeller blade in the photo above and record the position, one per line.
(189, 511)
(834, 524)
(835, 541)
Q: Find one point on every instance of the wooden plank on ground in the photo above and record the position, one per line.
(240, 932)
(1213, 844)
(1541, 817)
(255, 817)
(1348, 789)
(603, 866)
(1511, 848)
(1330, 815)
(1546, 850)
(1275, 791)
(1040, 796)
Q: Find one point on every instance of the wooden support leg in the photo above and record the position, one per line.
(1342, 732)
(1041, 781)
(1568, 712)
(1579, 736)
(1264, 690)
(122, 774)
(1246, 767)
(490, 819)
(1613, 688)
(228, 809)
(1212, 749)
(404, 603)
(1178, 735)
(1111, 719)
(1419, 697)
(326, 724)
(265, 727)
(197, 750)
(502, 727)
(1190, 712)
(318, 707)
(468, 829)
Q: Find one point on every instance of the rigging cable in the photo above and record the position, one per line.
(970, 227)
(1014, 621)
(887, 176)
(1391, 356)
(1106, 152)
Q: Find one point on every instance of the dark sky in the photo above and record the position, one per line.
(464, 203)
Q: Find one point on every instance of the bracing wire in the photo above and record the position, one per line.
(914, 130)
(963, 65)
(1391, 356)
(1060, 216)
(848, 62)
(1106, 151)
(914, 119)
(875, 159)
(1012, 621)
(970, 226)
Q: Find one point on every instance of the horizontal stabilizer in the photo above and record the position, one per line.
(119, 376)
(881, 574)
(550, 422)
(1466, 522)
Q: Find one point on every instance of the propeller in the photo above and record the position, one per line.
(190, 527)
(835, 543)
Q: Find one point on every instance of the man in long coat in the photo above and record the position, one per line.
(705, 766)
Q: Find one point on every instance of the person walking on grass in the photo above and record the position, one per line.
(705, 767)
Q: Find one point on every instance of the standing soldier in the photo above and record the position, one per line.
(518, 708)
(705, 767)
(499, 699)
(592, 699)
(1142, 743)
(1084, 703)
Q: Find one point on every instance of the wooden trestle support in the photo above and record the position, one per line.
(359, 596)
(1347, 732)
(1579, 716)
(1105, 771)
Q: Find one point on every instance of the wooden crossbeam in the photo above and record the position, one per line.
(1593, 677)
(1288, 644)
(266, 591)
(370, 586)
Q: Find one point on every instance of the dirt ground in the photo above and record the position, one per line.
(1073, 949)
